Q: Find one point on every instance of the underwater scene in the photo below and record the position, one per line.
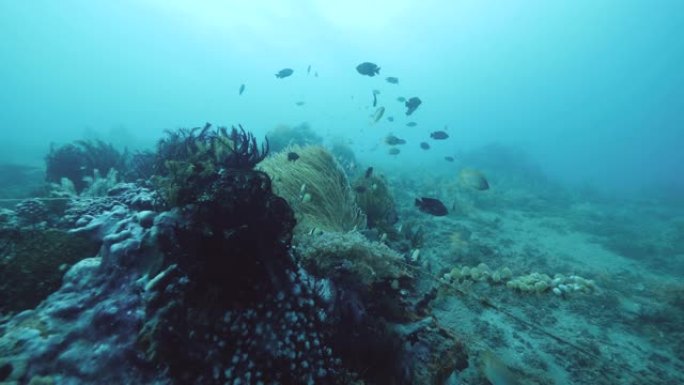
(324, 192)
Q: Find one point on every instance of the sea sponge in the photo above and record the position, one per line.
(527, 283)
(533, 282)
(481, 272)
(317, 189)
(562, 285)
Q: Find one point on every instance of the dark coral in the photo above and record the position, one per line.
(188, 160)
(79, 160)
(228, 274)
(140, 166)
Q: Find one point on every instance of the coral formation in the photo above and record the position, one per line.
(316, 188)
(98, 185)
(189, 159)
(31, 212)
(228, 274)
(79, 160)
(211, 290)
(140, 166)
(350, 256)
(32, 263)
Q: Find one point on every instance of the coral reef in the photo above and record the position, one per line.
(188, 160)
(79, 160)
(316, 188)
(228, 275)
(140, 166)
(32, 263)
(345, 257)
(98, 185)
(211, 290)
(31, 212)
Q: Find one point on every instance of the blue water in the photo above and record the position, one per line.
(592, 91)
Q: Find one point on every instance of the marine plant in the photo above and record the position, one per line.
(80, 159)
(188, 160)
(140, 166)
(317, 189)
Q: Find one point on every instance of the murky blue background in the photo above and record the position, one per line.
(592, 90)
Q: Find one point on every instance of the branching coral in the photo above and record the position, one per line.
(317, 189)
(80, 159)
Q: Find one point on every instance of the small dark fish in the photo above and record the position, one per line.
(411, 124)
(316, 74)
(375, 99)
(368, 69)
(401, 99)
(360, 189)
(449, 158)
(369, 172)
(439, 135)
(285, 72)
(394, 151)
(308, 69)
(424, 146)
(300, 103)
(431, 206)
(292, 156)
(392, 79)
(393, 140)
(242, 89)
(412, 104)
(390, 118)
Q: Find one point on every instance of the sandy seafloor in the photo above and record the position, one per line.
(629, 330)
